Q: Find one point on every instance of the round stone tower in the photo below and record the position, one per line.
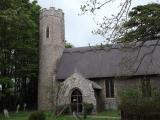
(51, 48)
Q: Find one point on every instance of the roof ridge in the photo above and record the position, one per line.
(108, 47)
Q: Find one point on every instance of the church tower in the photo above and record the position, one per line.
(51, 46)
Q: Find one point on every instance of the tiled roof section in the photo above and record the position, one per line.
(111, 61)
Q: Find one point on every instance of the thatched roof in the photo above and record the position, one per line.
(111, 61)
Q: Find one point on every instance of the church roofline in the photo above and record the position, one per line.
(132, 45)
(97, 62)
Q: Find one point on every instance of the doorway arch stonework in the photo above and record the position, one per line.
(85, 86)
(76, 101)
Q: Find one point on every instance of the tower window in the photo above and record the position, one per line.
(109, 88)
(47, 32)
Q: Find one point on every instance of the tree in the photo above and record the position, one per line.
(68, 45)
(110, 27)
(19, 22)
(143, 24)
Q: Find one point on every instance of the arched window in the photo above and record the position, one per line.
(47, 32)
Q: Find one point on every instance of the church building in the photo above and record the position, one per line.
(91, 74)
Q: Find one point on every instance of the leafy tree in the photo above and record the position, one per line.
(110, 27)
(68, 45)
(143, 23)
(19, 22)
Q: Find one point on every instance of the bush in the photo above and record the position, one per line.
(88, 108)
(134, 105)
(63, 109)
(38, 115)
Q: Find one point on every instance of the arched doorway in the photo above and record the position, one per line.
(76, 101)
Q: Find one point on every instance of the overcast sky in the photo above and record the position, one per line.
(78, 28)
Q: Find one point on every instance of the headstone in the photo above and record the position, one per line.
(6, 113)
(18, 107)
(24, 106)
(0, 91)
(0, 87)
(75, 115)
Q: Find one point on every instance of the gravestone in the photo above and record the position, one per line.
(6, 113)
(24, 107)
(18, 107)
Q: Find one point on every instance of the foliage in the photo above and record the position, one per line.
(109, 25)
(140, 24)
(63, 109)
(68, 45)
(19, 24)
(7, 85)
(143, 23)
(133, 103)
(88, 108)
(38, 115)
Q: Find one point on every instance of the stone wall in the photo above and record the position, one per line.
(102, 95)
(155, 81)
(50, 51)
(77, 81)
(134, 82)
(106, 103)
(122, 83)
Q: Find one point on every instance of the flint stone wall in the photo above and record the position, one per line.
(76, 81)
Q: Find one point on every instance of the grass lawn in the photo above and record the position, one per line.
(25, 115)
(112, 113)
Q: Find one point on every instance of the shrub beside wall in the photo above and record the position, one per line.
(134, 105)
(38, 115)
(63, 109)
(88, 108)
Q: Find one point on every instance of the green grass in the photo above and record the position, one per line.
(112, 113)
(15, 116)
(25, 115)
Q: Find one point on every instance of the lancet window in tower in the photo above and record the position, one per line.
(47, 32)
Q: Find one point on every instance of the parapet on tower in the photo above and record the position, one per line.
(51, 12)
(51, 46)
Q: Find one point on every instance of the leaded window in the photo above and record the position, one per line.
(109, 88)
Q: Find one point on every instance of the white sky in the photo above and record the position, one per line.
(78, 28)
